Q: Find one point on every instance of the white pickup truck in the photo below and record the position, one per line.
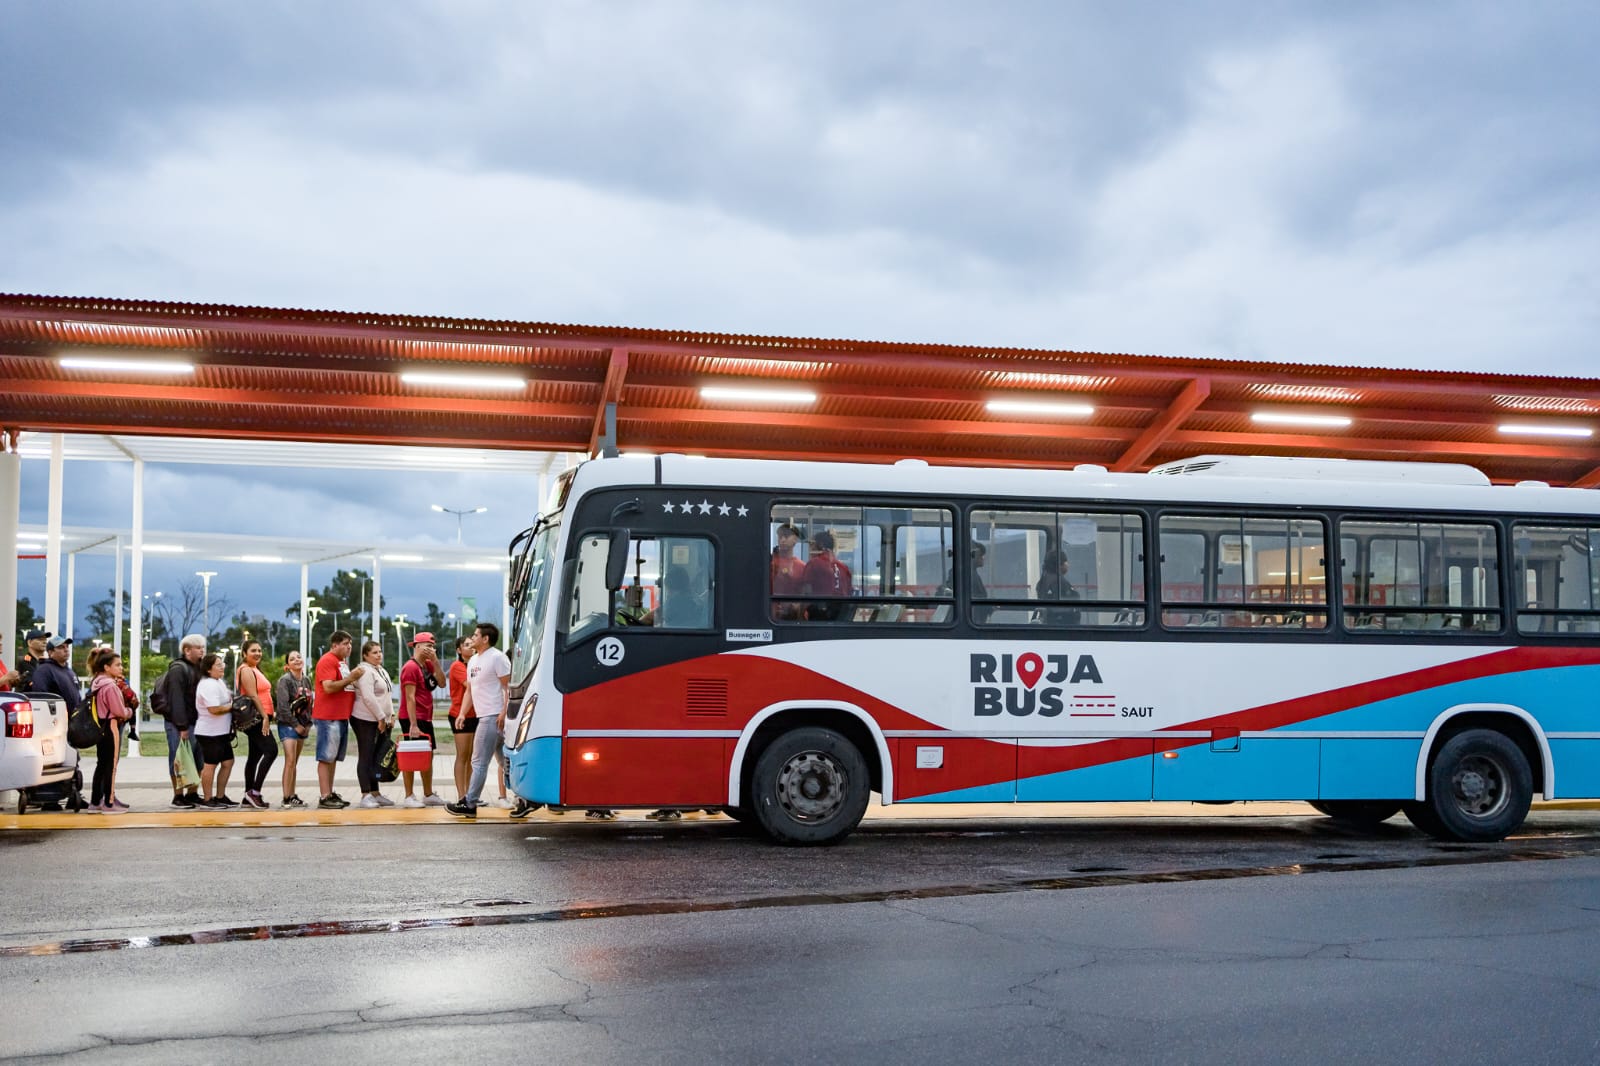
(33, 743)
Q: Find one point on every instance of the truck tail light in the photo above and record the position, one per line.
(19, 721)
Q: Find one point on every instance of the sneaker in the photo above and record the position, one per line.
(119, 805)
(433, 799)
(411, 802)
(214, 803)
(254, 801)
(600, 815)
(109, 808)
(383, 801)
(339, 799)
(183, 802)
(224, 801)
(664, 816)
(331, 802)
(503, 803)
(93, 808)
(524, 808)
(462, 810)
(369, 803)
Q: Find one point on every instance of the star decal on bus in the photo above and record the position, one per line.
(667, 507)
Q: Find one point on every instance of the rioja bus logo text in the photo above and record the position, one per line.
(1029, 683)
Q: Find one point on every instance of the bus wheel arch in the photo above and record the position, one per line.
(1512, 721)
(846, 719)
(1479, 770)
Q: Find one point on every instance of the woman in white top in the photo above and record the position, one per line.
(214, 729)
(371, 717)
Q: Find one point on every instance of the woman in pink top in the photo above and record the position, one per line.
(248, 680)
(106, 667)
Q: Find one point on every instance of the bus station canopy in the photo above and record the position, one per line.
(137, 369)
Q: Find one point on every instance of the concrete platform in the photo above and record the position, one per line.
(143, 784)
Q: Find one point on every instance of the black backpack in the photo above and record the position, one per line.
(83, 725)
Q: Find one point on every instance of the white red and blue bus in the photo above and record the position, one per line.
(1022, 635)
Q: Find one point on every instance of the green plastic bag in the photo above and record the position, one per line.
(188, 776)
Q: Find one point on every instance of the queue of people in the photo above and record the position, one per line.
(202, 715)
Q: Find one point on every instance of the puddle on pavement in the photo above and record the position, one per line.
(303, 930)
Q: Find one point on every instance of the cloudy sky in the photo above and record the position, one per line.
(1400, 185)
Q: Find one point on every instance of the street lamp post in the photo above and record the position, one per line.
(206, 576)
(147, 623)
(363, 613)
(316, 614)
(459, 515)
(457, 621)
(400, 624)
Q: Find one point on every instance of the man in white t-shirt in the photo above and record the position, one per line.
(488, 686)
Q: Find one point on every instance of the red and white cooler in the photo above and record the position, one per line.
(414, 755)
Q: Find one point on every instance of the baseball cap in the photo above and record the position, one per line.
(56, 642)
(37, 634)
(423, 638)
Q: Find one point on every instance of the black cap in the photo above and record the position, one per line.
(37, 634)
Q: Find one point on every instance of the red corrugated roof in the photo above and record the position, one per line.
(332, 376)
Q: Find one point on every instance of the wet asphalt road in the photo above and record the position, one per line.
(1184, 940)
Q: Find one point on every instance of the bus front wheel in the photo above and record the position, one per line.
(1479, 788)
(810, 786)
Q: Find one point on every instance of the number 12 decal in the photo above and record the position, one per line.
(609, 651)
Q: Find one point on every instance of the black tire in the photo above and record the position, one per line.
(1358, 814)
(742, 815)
(810, 787)
(22, 802)
(1421, 815)
(1479, 787)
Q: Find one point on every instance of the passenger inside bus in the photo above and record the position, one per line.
(825, 575)
(1053, 586)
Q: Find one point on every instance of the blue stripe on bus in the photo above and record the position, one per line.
(999, 792)
(1561, 699)
(536, 770)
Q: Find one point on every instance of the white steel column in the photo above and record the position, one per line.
(133, 661)
(52, 556)
(10, 515)
(72, 581)
(116, 607)
(305, 611)
(377, 600)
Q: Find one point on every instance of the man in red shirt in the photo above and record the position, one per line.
(418, 678)
(8, 676)
(788, 574)
(334, 679)
(825, 576)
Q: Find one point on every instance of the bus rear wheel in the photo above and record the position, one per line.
(1360, 814)
(1479, 788)
(810, 787)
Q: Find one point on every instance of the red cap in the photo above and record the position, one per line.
(423, 638)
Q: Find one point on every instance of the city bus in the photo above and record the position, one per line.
(782, 640)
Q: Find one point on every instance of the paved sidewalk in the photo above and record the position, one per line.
(143, 784)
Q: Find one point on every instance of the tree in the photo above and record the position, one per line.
(183, 612)
(103, 624)
(26, 617)
(347, 596)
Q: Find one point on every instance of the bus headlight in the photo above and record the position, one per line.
(525, 719)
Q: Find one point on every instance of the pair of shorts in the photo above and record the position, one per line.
(464, 725)
(425, 728)
(288, 732)
(333, 738)
(216, 750)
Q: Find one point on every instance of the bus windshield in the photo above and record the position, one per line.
(532, 599)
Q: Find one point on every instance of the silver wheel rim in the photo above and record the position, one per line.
(812, 786)
(1479, 786)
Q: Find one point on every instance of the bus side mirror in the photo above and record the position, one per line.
(617, 559)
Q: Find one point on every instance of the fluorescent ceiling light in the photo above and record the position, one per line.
(129, 366)
(1523, 430)
(400, 557)
(755, 394)
(261, 558)
(171, 549)
(1040, 407)
(463, 379)
(1289, 418)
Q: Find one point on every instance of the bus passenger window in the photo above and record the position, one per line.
(1557, 572)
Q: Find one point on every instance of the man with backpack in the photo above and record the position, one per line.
(173, 700)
